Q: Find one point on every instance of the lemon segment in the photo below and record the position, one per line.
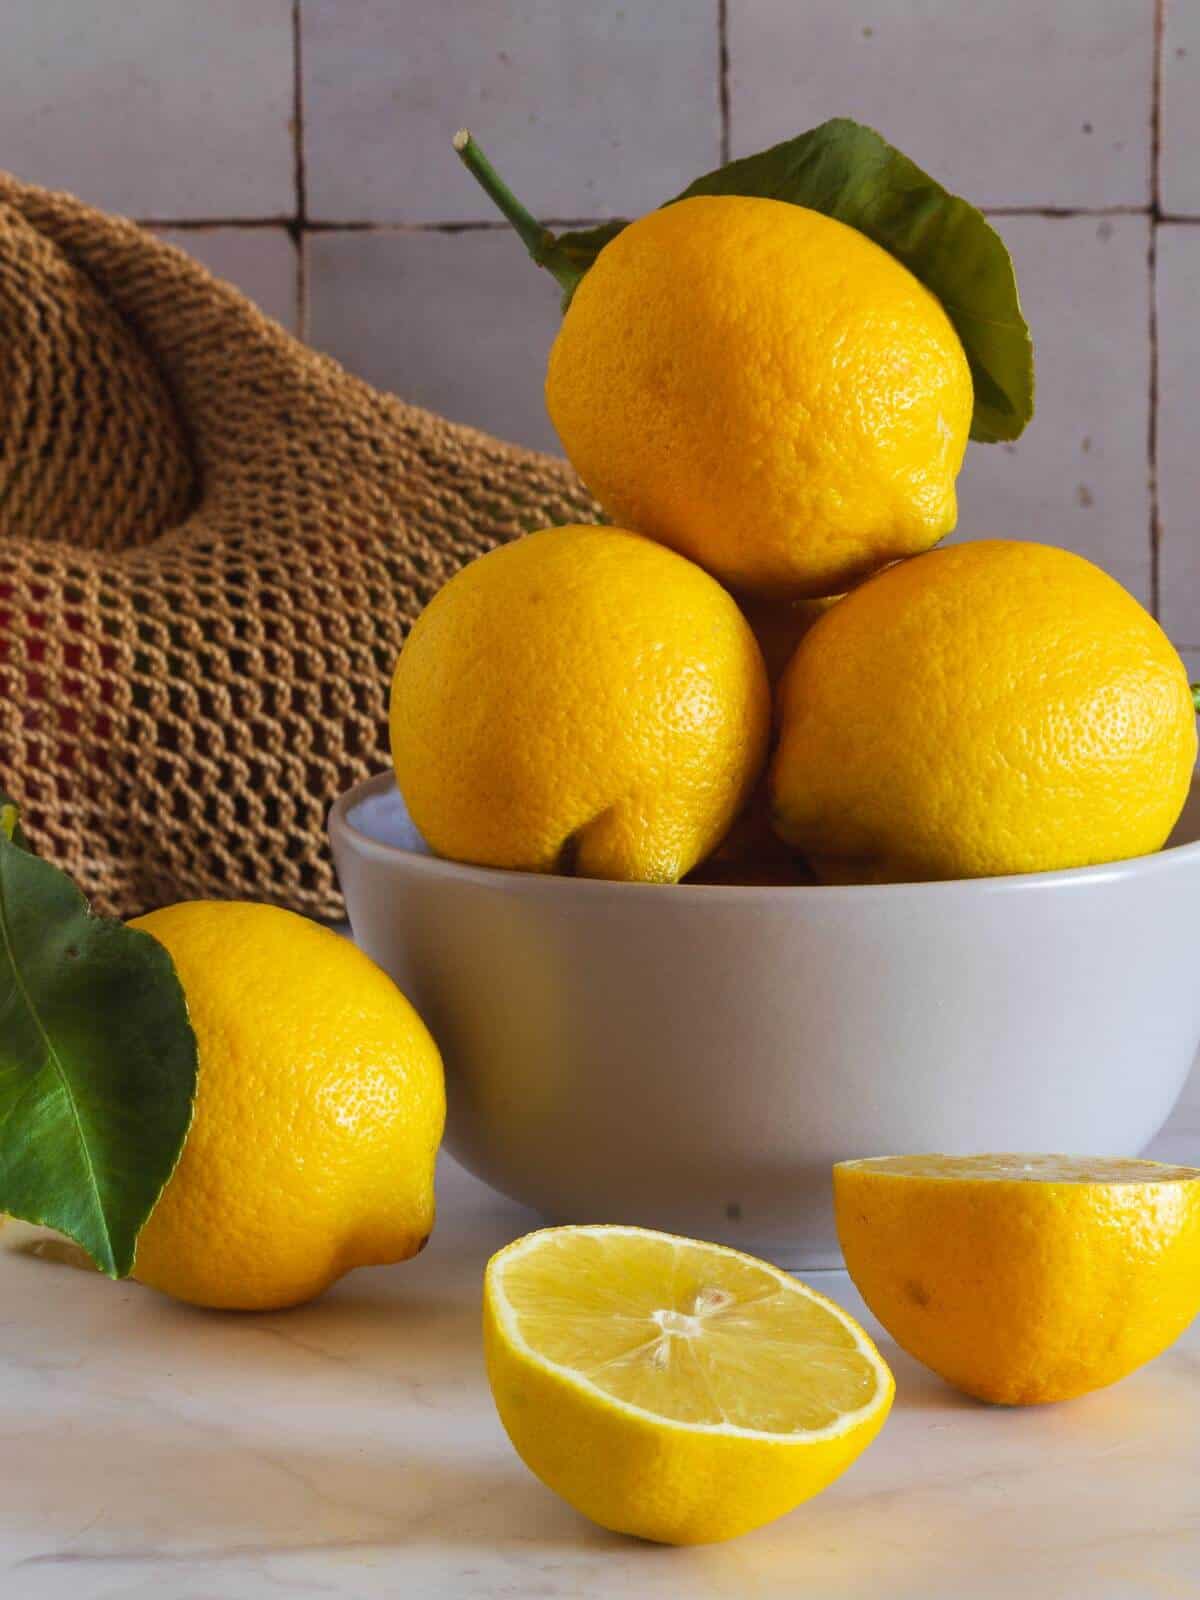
(1023, 1279)
(675, 1390)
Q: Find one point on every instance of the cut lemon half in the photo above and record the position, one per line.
(679, 1391)
(1023, 1278)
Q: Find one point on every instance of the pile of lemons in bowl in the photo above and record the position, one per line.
(774, 409)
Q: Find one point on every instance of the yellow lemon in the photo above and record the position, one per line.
(1023, 1279)
(994, 707)
(678, 1391)
(580, 701)
(319, 1111)
(764, 389)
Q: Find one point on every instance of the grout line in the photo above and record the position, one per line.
(301, 174)
(1152, 434)
(723, 75)
(358, 225)
(1156, 80)
(199, 224)
(1068, 211)
(498, 225)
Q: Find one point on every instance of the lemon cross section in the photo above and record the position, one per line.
(671, 1389)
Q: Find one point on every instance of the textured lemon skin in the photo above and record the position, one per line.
(654, 1480)
(582, 700)
(319, 1111)
(1023, 1293)
(765, 390)
(990, 708)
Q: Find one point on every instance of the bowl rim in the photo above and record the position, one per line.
(1168, 859)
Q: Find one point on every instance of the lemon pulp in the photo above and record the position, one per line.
(689, 1332)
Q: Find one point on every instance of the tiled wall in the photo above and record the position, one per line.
(301, 148)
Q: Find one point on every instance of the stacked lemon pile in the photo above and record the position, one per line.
(773, 410)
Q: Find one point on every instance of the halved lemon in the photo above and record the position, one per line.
(679, 1391)
(1023, 1278)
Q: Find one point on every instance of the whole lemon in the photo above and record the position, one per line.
(764, 389)
(580, 701)
(1023, 1279)
(995, 707)
(319, 1111)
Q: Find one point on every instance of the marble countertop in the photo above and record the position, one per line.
(350, 1449)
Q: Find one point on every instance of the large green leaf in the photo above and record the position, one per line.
(849, 172)
(97, 1061)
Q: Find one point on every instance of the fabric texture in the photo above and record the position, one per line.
(212, 543)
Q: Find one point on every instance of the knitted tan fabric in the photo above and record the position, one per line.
(212, 542)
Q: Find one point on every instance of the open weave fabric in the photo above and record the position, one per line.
(212, 542)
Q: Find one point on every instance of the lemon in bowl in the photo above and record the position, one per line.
(582, 701)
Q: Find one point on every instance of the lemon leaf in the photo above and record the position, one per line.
(849, 172)
(97, 1061)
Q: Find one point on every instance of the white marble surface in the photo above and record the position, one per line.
(151, 1452)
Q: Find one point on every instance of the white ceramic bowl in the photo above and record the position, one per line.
(696, 1057)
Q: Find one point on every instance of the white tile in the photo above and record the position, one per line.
(1180, 115)
(261, 262)
(1078, 477)
(1178, 285)
(1014, 104)
(153, 108)
(461, 322)
(588, 110)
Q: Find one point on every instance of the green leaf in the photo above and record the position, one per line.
(849, 172)
(97, 1061)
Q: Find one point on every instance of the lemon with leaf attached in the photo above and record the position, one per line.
(776, 373)
(319, 1111)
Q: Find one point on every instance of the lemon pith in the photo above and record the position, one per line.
(675, 1390)
(1024, 1279)
(765, 390)
(581, 700)
(319, 1111)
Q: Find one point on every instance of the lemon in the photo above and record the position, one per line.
(1023, 1279)
(764, 389)
(580, 701)
(990, 708)
(678, 1391)
(319, 1110)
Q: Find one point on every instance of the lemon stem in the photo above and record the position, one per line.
(534, 235)
(1196, 695)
